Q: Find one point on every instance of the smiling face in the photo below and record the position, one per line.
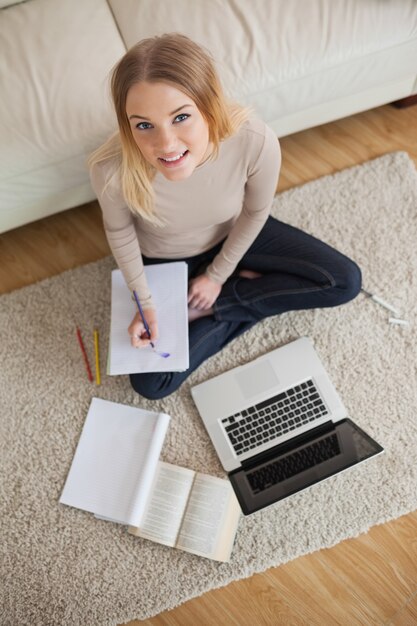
(168, 128)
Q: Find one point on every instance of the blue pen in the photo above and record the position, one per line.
(145, 323)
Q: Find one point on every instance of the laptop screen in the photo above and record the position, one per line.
(293, 466)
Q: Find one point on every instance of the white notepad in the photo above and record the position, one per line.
(168, 285)
(115, 462)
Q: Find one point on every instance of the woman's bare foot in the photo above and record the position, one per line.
(249, 274)
(195, 314)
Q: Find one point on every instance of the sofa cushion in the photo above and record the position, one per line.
(55, 57)
(285, 57)
(8, 3)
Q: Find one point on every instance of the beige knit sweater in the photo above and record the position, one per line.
(227, 198)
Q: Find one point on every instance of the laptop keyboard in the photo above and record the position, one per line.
(276, 416)
(295, 463)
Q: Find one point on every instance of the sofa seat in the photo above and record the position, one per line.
(298, 63)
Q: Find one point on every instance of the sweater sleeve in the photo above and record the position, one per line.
(259, 193)
(119, 226)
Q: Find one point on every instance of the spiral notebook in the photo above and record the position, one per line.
(168, 285)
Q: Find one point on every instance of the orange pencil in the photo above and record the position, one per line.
(85, 357)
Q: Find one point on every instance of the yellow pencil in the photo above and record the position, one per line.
(98, 379)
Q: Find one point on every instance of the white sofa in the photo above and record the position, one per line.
(299, 63)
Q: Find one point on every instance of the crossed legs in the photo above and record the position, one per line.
(284, 269)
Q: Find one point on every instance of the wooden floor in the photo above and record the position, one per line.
(370, 580)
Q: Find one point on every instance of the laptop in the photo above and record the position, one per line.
(278, 425)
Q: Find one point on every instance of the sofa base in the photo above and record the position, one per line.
(343, 107)
(13, 218)
(405, 102)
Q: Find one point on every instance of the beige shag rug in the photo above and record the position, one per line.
(61, 566)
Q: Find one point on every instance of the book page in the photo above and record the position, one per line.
(166, 505)
(211, 519)
(146, 477)
(117, 454)
(168, 285)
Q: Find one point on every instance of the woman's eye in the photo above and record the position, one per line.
(143, 126)
(181, 117)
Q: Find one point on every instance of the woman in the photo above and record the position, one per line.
(190, 176)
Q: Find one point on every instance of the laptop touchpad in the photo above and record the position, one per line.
(257, 378)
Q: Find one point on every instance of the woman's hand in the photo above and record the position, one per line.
(137, 331)
(202, 292)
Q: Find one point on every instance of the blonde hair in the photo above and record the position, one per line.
(175, 59)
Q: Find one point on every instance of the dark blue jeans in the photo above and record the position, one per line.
(298, 272)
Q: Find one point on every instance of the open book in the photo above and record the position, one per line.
(168, 285)
(117, 475)
(194, 512)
